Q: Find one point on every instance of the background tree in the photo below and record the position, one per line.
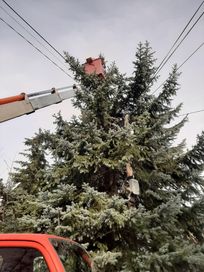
(77, 190)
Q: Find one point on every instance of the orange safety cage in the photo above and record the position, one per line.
(95, 66)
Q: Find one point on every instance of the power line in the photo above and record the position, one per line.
(190, 56)
(180, 43)
(35, 47)
(178, 38)
(32, 35)
(180, 65)
(34, 30)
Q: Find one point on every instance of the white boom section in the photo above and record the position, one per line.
(15, 109)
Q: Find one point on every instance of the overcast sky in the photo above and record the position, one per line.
(86, 28)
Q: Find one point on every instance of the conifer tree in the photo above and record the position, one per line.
(80, 192)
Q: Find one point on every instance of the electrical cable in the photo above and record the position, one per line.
(180, 66)
(34, 30)
(190, 56)
(179, 43)
(35, 47)
(45, 47)
(179, 37)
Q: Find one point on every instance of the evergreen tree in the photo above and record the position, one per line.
(79, 191)
(34, 166)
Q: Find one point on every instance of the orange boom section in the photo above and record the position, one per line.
(11, 99)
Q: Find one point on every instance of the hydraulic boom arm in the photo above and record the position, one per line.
(15, 106)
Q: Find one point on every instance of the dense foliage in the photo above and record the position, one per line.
(71, 182)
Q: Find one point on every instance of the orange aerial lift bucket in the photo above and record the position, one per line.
(95, 66)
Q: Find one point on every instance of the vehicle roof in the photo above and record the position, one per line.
(41, 239)
(28, 237)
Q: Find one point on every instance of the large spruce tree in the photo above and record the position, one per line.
(72, 181)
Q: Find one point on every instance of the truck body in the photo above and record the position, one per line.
(42, 253)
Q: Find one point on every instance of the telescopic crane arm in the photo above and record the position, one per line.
(15, 106)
